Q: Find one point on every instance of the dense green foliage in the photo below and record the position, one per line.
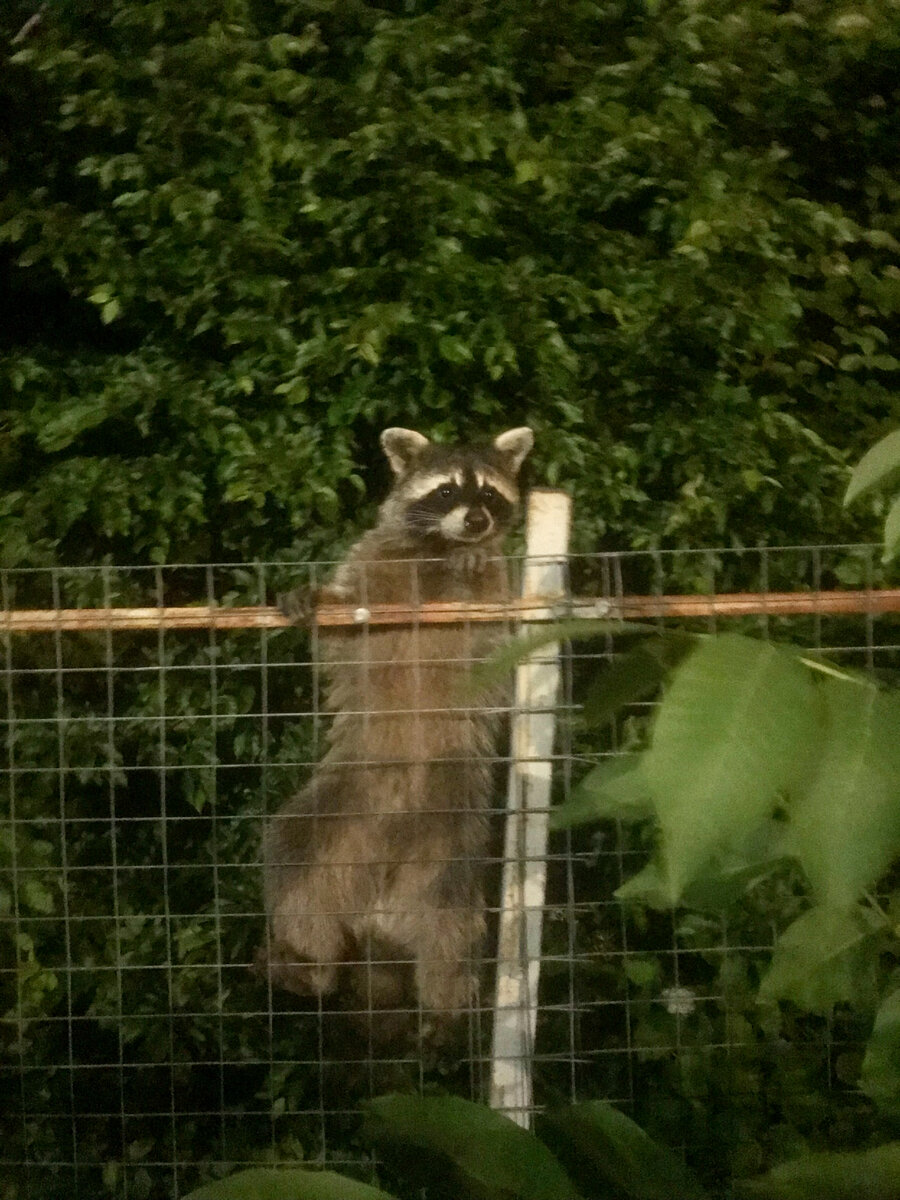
(237, 239)
(762, 763)
(759, 757)
(241, 236)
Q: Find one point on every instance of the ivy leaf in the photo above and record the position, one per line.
(623, 1154)
(265, 1183)
(845, 825)
(823, 958)
(493, 1156)
(880, 1075)
(732, 732)
(879, 467)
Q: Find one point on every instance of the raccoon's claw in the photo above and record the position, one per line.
(299, 606)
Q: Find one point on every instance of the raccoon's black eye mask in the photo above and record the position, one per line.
(449, 495)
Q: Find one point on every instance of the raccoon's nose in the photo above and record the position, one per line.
(476, 520)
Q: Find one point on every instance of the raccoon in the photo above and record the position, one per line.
(378, 861)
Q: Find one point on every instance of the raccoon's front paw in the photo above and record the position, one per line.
(299, 606)
(472, 562)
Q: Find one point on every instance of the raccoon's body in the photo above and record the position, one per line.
(378, 861)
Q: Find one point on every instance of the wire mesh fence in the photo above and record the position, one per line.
(140, 1050)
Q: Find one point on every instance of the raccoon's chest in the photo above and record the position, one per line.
(406, 669)
(405, 696)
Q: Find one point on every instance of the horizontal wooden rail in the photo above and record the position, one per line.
(626, 608)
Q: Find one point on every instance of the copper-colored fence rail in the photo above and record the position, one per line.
(629, 608)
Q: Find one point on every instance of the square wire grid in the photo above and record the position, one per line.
(139, 1053)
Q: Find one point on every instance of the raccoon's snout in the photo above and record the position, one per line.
(476, 521)
(466, 524)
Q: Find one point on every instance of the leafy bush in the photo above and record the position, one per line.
(241, 238)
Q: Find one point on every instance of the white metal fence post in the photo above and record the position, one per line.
(528, 799)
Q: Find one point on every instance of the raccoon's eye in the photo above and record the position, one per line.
(445, 492)
(488, 494)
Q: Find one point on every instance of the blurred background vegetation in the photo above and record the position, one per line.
(237, 239)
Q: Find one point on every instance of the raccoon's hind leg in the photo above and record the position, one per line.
(313, 882)
(306, 950)
(447, 959)
(279, 963)
(445, 945)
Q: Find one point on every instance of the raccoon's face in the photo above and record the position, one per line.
(458, 494)
(461, 504)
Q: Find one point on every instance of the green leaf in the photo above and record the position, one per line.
(496, 669)
(730, 875)
(649, 886)
(880, 1075)
(722, 880)
(892, 532)
(526, 171)
(493, 1156)
(614, 790)
(879, 467)
(860, 1175)
(733, 730)
(845, 824)
(36, 896)
(823, 958)
(454, 349)
(295, 1183)
(635, 675)
(623, 1154)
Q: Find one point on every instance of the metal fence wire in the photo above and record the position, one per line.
(140, 1053)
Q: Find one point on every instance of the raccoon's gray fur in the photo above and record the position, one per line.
(378, 860)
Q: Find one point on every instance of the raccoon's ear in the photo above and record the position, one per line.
(515, 444)
(401, 446)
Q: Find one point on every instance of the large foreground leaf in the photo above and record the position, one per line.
(733, 731)
(845, 826)
(635, 675)
(880, 1076)
(511, 654)
(614, 790)
(267, 1183)
(622, 1153)
(892, 532)
(494, 1158)
(823, 958)
(879, 467)
(866, 1175)
(724, 878)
